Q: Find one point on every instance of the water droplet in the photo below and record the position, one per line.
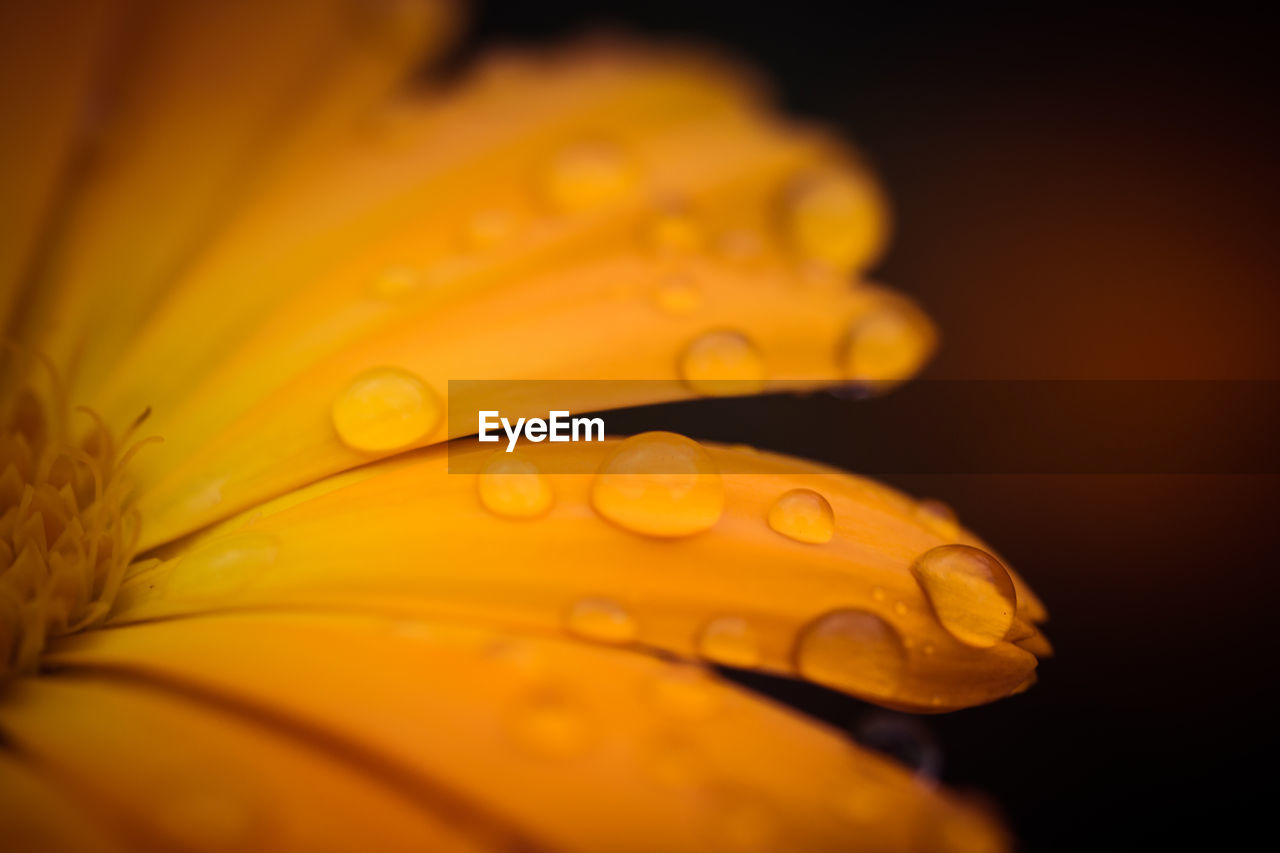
(878, 594)
(677, 295)
(938, 518)
(836, 219)
(900, 607)
(685, 692)
(587, 174)
(512, 486)
(970, 591)
(722, 363)
(729, 640)
(602, 620)
(675, 232)
(803, 515)
(207, 817)
(221, 567)
(383, 409)
(488, 228)
(659, 484)
(852, 650)
(548, 725)
(740, 247)
(396, 282)
(904, 738)
(888, 343)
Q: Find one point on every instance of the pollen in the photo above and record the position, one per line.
(67, 533)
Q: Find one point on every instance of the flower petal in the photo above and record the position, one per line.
(205, 99)
(178, 774)
(35, 814)
(572, 747)
(406, 535)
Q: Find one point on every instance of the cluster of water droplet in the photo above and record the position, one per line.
(664, 485)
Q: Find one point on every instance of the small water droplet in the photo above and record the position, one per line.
(888, 343)
(659, 484)
(675, 232)
(588, 174)
(677, 295)
(601, 619)
(803, 515)
(836, 219)
(207, 817)
(740, 247)
(396, 282)
(511, 485)
(938, 518)
(383, 409)
(722, 363)
(685, 692)
(900, 608)
(221, 567)
(970, 592)
(852, 650)
(548, 725)
(878, 594)
(904, 738)
(486, 229)
(729, 640)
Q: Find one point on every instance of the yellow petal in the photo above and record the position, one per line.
(36, 814)
(571, 747)
(406, 535)
(184, 774)
(204, 98)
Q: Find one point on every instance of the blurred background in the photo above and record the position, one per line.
(1082, 193)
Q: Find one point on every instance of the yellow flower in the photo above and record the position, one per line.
(244, 604)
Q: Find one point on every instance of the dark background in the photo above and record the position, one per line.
(1085, 193)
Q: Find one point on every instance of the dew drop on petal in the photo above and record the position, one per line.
(601, 619)
(587, 174)
(384, 409)
(729, 640)
(970, 592)
(852, 650)
(835, 219)
(221, 567)
(888, 343)
(685, 692)
(677, 295)
(803, 515)
(551, 726)
(511, 486)
(675, 232)
(396, 282)
(722, 363)
(659, 484)
(938, 518)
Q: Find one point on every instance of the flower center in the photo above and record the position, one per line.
(66, 532)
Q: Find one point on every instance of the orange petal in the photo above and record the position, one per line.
(407, 536)
(570, 746)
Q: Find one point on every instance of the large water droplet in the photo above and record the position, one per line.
(660, 484)
(803, 515)
(383, 409)
(852, 650)
(512, 486)
(887, 343)
(970, 591)
(836, 220)
(601, 619)
(587, 174)
(729, 640)
(722, 363)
